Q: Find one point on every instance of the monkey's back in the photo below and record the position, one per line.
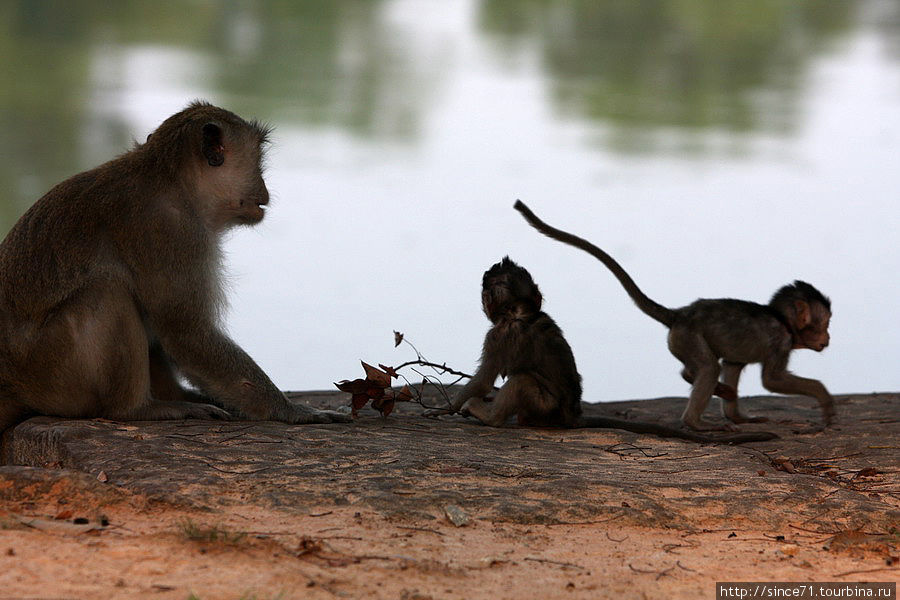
(541, 350)
(64, 227)
(731, 328)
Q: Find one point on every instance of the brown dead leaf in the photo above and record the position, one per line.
(404, 395)
(309, 546)
(357, 402)
(384, 405)
(357, 386)
(783, 463)
(398, 338)
(846, 539)
(63, 515)
(376, 375)
(867, 472)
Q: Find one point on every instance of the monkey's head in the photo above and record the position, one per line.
(807, 311)
(220, 157)
(508, 289)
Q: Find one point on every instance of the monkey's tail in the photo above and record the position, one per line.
(586, 422)
(656, 311)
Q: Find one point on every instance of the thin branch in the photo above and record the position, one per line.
(864, 571)
(434, 531)
(443, 367)
(554, 562)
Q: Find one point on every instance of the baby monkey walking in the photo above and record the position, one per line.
(736, 332)
(543, 387)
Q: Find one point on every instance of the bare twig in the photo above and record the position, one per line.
(864, 571)
(442, 367)
(434, 531)
(659, 574)
(555, 562)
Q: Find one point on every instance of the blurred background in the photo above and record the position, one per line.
(716, 148)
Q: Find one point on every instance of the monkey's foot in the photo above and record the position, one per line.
(165, 410)
(198, 410)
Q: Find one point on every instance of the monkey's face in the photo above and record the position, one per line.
(506, 287)
(234, 190)
(813, 321)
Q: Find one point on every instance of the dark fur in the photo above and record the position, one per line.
(110, 284)
(543, 387)
(735, 332)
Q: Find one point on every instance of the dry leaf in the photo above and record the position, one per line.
(357, 386)
(386, 406)
(357, 402)
(398, 338)
(404, 395)
(867, 472)
(376, 375)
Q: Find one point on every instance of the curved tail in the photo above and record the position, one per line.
(671, 432)
(656, 311)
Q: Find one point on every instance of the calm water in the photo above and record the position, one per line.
(718, 148)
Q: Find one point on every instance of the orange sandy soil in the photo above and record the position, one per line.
(340, 552)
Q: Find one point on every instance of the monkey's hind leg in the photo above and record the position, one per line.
(723, 390)
(119, 358)
(701, 368)
(520, 395)
(11, 413)
(731, 374)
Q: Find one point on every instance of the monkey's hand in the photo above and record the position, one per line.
(197, 410)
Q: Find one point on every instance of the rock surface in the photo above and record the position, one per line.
(410, 466)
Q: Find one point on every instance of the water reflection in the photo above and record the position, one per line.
(646, 67)
(317, 62)
(716, 148)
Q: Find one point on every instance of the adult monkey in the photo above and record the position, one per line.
(724, 335)
(110, 284)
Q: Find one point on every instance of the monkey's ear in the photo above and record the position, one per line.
(803, 316)
(213, 149)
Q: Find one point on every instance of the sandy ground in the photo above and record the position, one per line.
(154, 552)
